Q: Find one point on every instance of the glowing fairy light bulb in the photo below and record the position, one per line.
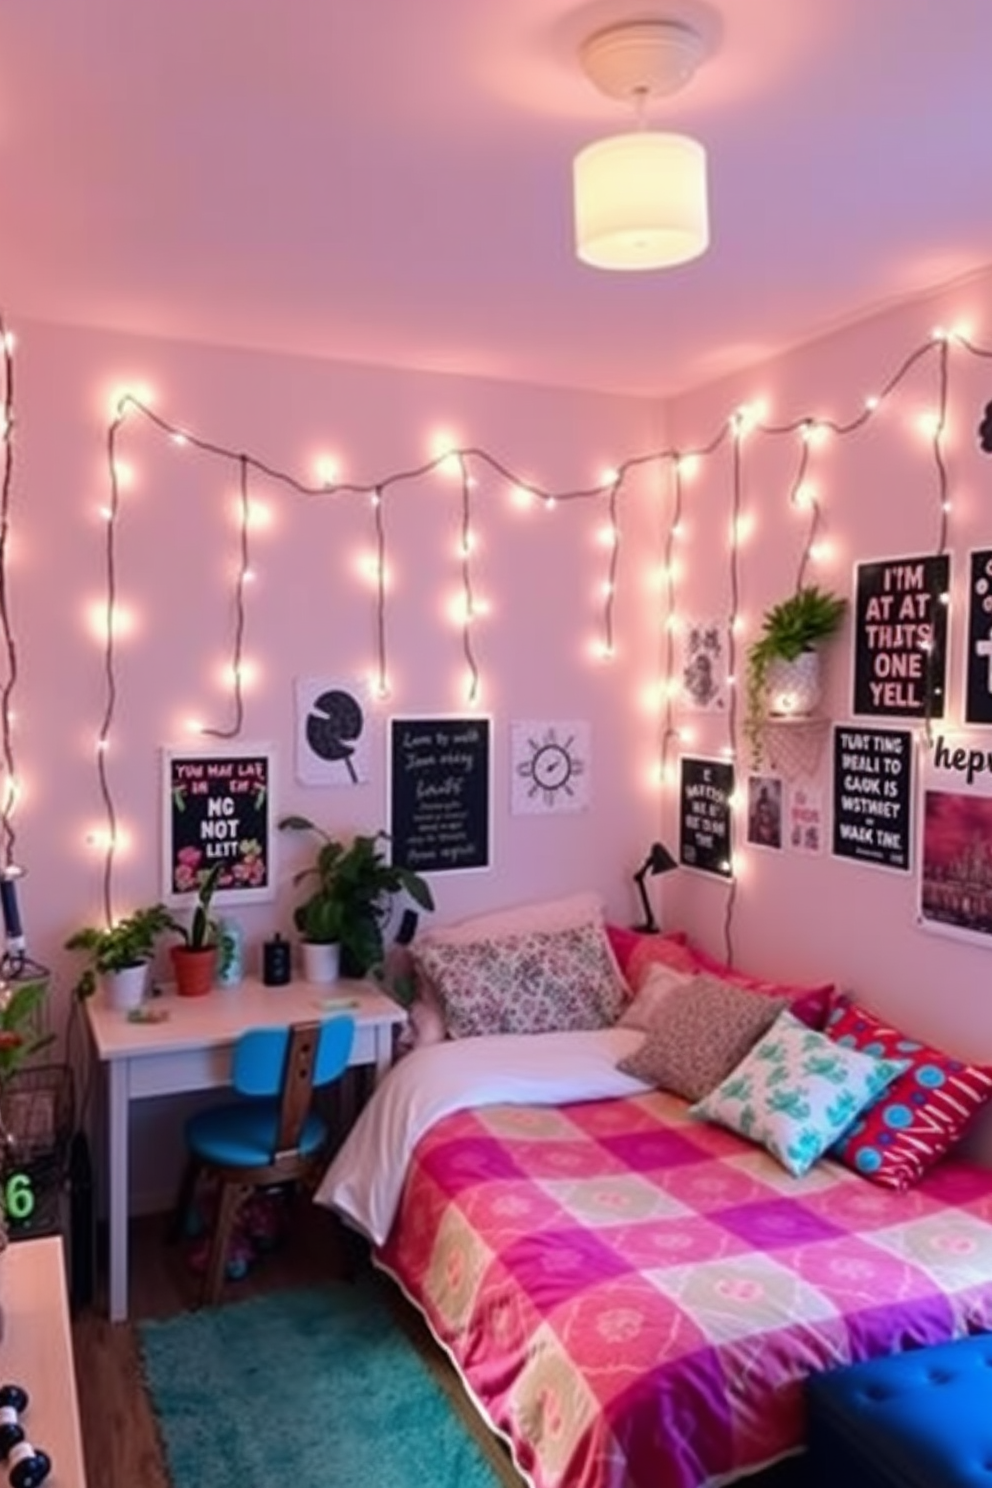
(872, 403)
(9, 341)
(607, 536)
(178, 437)
(124, 474)
(522, 497)
(688, 466)
(550, 503)
(326, 469)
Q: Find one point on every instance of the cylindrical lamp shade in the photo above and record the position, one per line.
(641, 201)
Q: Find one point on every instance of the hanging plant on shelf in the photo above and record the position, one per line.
(783, 665)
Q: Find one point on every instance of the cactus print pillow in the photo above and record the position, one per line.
(796, 1092)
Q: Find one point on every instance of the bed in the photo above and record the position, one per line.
(632, 1296)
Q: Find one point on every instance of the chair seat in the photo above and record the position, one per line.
(243, 1134)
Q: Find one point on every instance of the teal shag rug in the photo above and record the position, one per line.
(319, 1388)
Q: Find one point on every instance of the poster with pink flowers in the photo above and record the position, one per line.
(217, 808)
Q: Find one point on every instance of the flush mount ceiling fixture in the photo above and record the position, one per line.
(641, 197)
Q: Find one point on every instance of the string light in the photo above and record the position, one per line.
(455, 461)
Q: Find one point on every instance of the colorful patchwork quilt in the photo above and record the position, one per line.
(635, 1297)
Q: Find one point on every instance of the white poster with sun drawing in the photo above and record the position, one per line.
(550, 767)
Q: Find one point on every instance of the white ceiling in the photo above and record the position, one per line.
(389, 180)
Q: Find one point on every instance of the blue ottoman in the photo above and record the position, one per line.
(922, 1419)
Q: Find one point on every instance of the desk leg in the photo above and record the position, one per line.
(383, 1050)
(118, 1121)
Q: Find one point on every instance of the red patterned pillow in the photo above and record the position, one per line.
(922, 1112)
(653, 950)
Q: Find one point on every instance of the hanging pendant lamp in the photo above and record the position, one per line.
(641, 197)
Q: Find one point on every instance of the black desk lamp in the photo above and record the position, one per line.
(658, 860)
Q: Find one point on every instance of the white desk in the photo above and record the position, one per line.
(37, 1353)
(191, 1050)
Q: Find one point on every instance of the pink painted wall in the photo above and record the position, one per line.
(310, 611)
(820, 917)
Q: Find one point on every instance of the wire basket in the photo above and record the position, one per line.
(794, 746)
(37, 1109)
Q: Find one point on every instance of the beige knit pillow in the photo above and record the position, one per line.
(700, 1031)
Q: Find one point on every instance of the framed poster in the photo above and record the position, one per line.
(978, 657)
(805, 819)
(440, 792)
(549, 767)
(703, 666)
(217, 808)
(956, 858)
(705, 788)
(900, 637)
(332, 728)
(873, 795)
(764, 811)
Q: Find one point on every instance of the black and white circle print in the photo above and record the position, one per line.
(331, 729)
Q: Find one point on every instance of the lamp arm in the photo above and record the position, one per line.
(650, 924)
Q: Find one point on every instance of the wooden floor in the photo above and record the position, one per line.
(119, 1433)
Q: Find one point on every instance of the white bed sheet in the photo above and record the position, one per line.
(365, 1180)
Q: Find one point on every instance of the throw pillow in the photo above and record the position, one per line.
(658, 950)
(701, 1030)
(537, 982)
(796, 1091)
(641, 1010)
(810, 1004)
(921, 1114)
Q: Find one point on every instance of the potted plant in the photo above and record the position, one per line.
(783, 665)
(119, 955)
(194, 961)
(353, 887)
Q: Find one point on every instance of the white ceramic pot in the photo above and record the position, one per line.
(124, 990)
(794, 686)
(321, 962)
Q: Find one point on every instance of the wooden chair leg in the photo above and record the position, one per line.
(187, 1188)
(228, 1203)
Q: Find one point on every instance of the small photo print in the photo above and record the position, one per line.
(764, 811)
(805, 819)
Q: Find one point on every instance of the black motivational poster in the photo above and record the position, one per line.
(978, 676)
(900, 637)
(704, 815)
(440, 793)
(217, 808)
(872, 795)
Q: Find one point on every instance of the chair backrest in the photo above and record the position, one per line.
(291, 1062)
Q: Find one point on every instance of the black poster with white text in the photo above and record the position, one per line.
(704, 815)
(873, 794)
(900, 637)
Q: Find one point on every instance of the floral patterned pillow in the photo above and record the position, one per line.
(537, 982)
(796, 1091)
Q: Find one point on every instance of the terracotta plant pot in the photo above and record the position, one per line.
(194, 970)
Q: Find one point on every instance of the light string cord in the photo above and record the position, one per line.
(737, 486)
(814, 505)
(613, 567)
(943, 498)
(669, 733)
(468, 597)
(9, 803)
(244, 563)
(109, 672)
(379, 517)
(377, 490)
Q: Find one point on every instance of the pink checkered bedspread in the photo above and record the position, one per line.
(635, 1298)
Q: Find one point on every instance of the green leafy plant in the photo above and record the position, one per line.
(128, 943)
(353, 887)
(202, 932)
(795, 625)
(20, 1033)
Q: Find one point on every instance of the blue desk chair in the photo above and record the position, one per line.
(273, 1136)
